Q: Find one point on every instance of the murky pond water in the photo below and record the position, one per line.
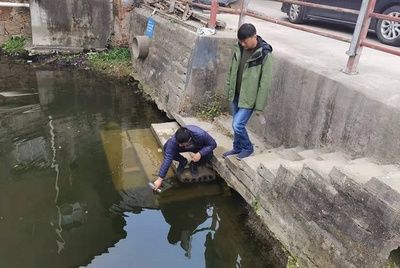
(76, 154)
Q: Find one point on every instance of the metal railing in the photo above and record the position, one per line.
(357, 42)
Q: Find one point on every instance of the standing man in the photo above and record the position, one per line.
(186, 139)
(248, 84)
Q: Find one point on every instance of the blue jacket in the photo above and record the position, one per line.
(201, 142)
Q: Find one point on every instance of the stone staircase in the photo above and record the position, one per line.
(316, 201)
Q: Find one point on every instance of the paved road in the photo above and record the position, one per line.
(273, 9)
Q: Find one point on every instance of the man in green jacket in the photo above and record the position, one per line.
(248, 84)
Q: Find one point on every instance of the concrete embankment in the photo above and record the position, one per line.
(327, 209)
(325, 173)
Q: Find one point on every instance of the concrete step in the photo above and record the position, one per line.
(287, 174)
(323, 167)
(358, 172)
(387, 189)
(268, 161)
(313, 153)
(289, 171)
(334, 156)
(269, 170)
(183, 121)
(365, 178)
(224, 143)
(291, 154)
(273, 150)
(255, 183)
(390, 169)
(224, 123)
(251, 164)
(364, 160)
(164, 131)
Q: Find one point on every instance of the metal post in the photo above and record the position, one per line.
(9, 4)
(213, 14)
(243, 10)
(360, 33)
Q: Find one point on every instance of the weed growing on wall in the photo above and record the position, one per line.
(14, 46)
(256, 205)
(211, 108)
(115, 62)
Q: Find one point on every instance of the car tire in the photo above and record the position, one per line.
(296, 13)
(388, 32)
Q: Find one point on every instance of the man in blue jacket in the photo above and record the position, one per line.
(186, 139)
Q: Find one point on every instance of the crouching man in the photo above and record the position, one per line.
(186, 139)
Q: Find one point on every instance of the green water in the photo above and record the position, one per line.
(59, 203)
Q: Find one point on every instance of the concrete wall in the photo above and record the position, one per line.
(182, 68)
(306, 107)
(310, 109)
(72, 23)
(14, 21)
(122, 9)
(322, 215)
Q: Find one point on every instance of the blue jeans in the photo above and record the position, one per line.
(241, 140)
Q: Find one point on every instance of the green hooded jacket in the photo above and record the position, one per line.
(257, 77)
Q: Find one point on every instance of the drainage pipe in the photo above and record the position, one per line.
(8, 4)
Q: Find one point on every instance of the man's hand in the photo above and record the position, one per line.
(157, 183)
(196, 157)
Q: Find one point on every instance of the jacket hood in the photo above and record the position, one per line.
(265, 46)
(260, 43)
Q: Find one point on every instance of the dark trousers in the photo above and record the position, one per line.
(203, 160)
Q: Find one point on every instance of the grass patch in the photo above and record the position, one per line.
(115, 62)
(210, 109)
(14, 46)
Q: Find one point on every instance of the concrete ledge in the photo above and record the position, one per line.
(324, 215)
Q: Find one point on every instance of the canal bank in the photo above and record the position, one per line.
(324, 179)
(76, 155)
(324, 176)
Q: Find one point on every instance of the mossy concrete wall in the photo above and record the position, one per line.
(182, 68)
(71, 23)
(324, 218)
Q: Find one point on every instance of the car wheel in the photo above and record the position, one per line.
(388, 32)
(296, 13)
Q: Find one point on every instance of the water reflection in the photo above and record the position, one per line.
(75, 159)
(202, 232)
(55, 184)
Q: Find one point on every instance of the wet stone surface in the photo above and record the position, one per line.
(76, 157)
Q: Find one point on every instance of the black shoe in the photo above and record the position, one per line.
(181, 167)
(194, 170)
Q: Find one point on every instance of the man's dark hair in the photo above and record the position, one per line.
(245, 31)
(182, 135)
